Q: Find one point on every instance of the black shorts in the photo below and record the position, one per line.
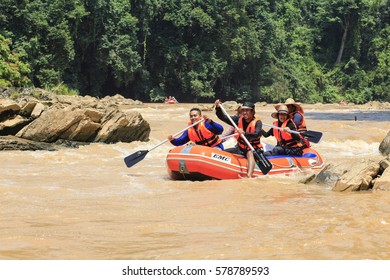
(237, 150)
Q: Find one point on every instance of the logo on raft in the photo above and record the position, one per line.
(221, 158)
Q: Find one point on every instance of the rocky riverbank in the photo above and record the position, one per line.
(37, 119)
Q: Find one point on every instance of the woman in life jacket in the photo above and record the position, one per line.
(204, 133)
(296, 113)
(290, 144)
(250, 127)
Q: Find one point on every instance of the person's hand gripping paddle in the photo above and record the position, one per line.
(140, 155)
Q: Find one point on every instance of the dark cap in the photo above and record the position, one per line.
(248, 105)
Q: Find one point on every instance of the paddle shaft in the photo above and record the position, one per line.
(236, 127)
(277, 127)
(228, 136)
(181, 131)
(140, 155)
(310, 135)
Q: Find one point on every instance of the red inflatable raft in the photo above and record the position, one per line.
(198, 163)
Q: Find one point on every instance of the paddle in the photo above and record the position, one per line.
(228, 136)
(262, 162)
(140, 155)
(310, 135)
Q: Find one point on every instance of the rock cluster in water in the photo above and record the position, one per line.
(41, 120)
(363, 175)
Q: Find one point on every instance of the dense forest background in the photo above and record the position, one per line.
(200, 50)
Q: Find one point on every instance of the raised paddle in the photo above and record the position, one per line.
(310, 135)
(140, 155)
(262, 162)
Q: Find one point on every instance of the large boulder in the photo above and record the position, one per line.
(82, 131)
(38, 110)
(28, 107)
(8, 108)
(384, 146)
(383, 182)
(8, 104)
(52, 124)
(12, 125)
(126, 127)
(330, 174)
(359, 177)
(86, 125)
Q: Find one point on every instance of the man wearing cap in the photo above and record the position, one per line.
(250, 127)
(287, 143)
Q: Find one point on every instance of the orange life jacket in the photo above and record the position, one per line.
(251, 128)
(203, 136)
(285, 138)
(300, 126)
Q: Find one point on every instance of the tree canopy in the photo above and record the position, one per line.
(200, 50)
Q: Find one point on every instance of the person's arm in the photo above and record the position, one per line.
(224, 118)
(292, 126)
(213, 126)
(230, 131)
(268, 133)
(257, 133)
(297, 119)
(181, 140)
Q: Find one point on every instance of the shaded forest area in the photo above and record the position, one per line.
(261, 50)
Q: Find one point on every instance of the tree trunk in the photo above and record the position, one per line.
(344, 38)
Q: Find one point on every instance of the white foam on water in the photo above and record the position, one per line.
(349, 148)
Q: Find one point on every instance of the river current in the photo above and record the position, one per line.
(86, 204)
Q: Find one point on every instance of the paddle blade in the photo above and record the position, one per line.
(312, 136)
(262, 162)
(135, 158)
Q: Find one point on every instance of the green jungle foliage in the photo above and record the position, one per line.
(200, 50)
(13, 72)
